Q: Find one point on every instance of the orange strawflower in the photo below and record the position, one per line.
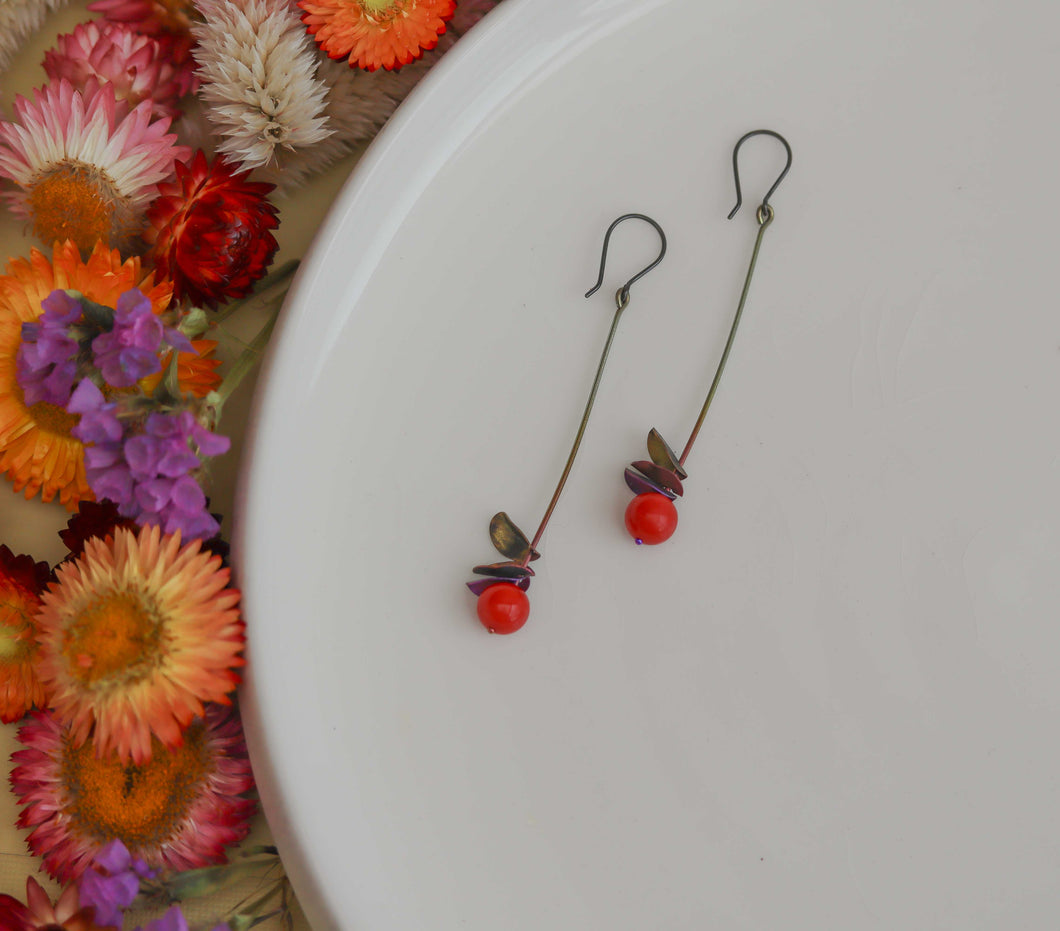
(137, 634)
(37, 451)
(376, 33)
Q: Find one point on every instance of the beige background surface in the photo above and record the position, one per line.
(32, 527)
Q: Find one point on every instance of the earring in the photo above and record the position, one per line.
(651, 516)
(503, 605)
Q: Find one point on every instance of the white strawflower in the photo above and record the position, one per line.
(19, 19)
(257, 68)
(358, 103)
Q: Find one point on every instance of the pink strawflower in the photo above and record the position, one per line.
(150, 17)
(139, 67)
(179, 810)
(86, 163)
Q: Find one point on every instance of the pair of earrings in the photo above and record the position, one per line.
(651, 516)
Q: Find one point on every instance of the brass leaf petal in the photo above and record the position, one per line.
(509, 540)
(662, 455)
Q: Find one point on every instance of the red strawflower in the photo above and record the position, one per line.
(209, 231)
(93, 519)
(21, 582)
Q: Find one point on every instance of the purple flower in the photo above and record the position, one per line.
(47, 356)
(149, 475)
(112, 883)
(129, 351)
(99, 424)
(161, 460)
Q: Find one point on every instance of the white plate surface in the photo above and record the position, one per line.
(831, 700)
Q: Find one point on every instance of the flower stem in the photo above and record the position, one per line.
(247, 359)
(280, 277)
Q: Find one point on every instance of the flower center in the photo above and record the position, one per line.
(118, 633)
(75, 202)
(52, 418)
(383, 9)
(142, 805)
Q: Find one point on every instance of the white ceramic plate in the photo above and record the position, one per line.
(831, 700)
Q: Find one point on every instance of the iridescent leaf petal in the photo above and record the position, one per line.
(639, 485)
(478, 586)
(504, 570)
(660, 476)
(662, 455)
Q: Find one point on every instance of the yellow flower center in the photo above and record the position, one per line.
(141, 805)
(118, 634)
(16, 635)
(52, 418)
(76, 202)
(382, 10)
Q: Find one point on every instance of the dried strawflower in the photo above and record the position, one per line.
(359, 103)
(257, 69)
(374, 34)
(39, 914)
(179, 810)
(210, 231)
(150, 17)
(21, 582)
(38, 452)
(136, 636)
(138, 67)
(86, 164)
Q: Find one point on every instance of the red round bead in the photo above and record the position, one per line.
(503, 608)
(651, 518)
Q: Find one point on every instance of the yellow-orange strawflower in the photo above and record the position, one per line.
(37, 451)
(136, 635)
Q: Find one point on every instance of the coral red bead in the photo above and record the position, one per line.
(651, 518)
(503, 608)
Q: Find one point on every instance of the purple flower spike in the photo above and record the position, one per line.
(149, 475)
(98, 424)
(112, 883)
(47, 356)
(129, 351)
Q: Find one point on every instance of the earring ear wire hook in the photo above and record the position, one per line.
(622, 297)
(764, 209)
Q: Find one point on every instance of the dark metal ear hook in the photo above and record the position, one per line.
(622, 297)
(736, 167)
